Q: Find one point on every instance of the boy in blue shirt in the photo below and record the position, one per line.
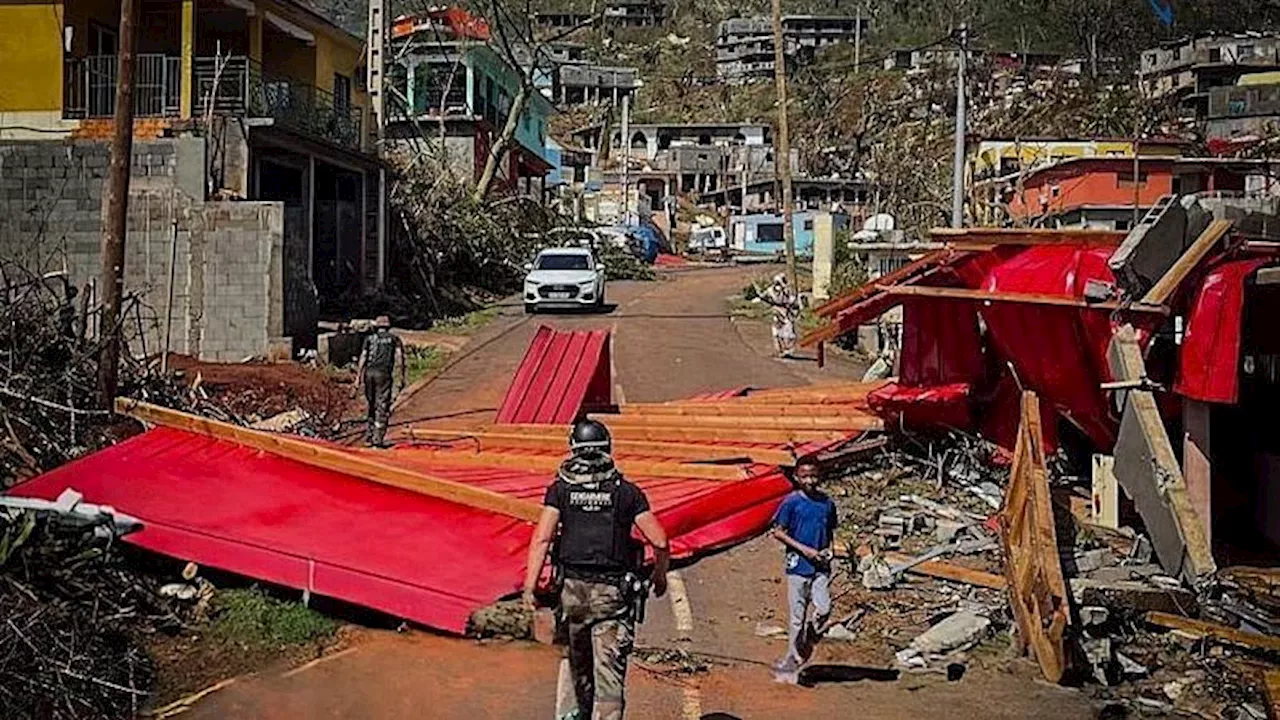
(805, 524)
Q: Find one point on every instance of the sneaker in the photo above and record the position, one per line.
(785, 672)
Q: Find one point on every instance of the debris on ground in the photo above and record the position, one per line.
(929, 579)
(75, 619)
(505, 619)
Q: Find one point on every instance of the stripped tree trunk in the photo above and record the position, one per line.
(498, 151)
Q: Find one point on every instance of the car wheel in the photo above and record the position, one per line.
(600, 297)
(530, 308)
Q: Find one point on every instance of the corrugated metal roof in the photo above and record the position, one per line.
(563, 374)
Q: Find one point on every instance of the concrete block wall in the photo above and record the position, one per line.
(225, 255)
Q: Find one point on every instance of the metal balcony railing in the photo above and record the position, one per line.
(89, 87)
(241, 87)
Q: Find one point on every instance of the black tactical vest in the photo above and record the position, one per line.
(593, 538)
(381, 349)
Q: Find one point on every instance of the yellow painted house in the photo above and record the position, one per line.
(276, 56)
(274, 92)
(996, 157)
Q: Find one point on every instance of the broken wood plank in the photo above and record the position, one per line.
(1271, 681)
(556, 439)
(333, 458)
(550, 464)
(962, 237)
(966, 294)
(1214, 630)
(1167, 285)
(850, 450)
(834, 393)
(850, 422)
(743, 409)
(834, 306)
(935, 568)
(702, 434)
(1033, 568)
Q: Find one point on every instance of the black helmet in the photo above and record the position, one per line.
(589, 436)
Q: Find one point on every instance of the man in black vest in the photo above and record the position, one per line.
(382, 350)
(594, 508)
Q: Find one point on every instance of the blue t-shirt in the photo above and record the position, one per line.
(807, 520)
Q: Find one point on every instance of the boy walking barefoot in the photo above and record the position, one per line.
(805, 524)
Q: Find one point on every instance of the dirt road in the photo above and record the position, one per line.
(673, 338)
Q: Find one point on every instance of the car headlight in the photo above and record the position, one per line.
(530, 283)
(588, 283)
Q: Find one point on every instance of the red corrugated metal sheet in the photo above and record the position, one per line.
(413, 556)
(562, 373)
(1209, 362)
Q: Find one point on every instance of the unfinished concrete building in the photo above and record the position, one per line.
(744, 46)
(254, 178)
(614, 14)
(1189, 69)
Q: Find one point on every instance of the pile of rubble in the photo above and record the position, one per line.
(75, 615)
(932, 552)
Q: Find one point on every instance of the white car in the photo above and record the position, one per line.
(565, 278)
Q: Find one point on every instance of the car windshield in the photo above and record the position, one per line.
(561, 261)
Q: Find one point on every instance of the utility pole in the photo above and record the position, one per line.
(783, 155)
(626, 157)
(857, 40)
(374, 69)
(957, 179)
(115, 210)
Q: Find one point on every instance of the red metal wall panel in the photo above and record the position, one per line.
(1209, 362)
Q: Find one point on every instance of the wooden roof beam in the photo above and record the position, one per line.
(969, 295)
(731, 422)
(759, 409)
(962, 238)
(550, 464)
(556, 440)
(773, 436)
(328, 457)
(1168, 283)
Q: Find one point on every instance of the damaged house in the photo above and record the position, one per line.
(254, 180)
(448, 87)
(1149, 346)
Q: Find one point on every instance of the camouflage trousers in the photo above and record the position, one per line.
(601, 634)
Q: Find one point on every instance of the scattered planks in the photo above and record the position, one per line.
(557, 439)
(332, 458)
(550, 464)
(848, 422)
(693, 433)
(935, 568)
(742, 409)
(1037, 592)
(1214, 630)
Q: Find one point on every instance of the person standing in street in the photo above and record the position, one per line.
(786, 309)
(594, 508)
(805, 525)
(383, 351)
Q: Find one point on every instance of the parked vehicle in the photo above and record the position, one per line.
(566, 277)
(708, 239)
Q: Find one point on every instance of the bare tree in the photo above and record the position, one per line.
(518, 45)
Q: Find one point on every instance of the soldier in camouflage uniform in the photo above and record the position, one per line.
(382, 351)
(594, 508)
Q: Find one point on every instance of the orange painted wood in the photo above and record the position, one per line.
(332, 458)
